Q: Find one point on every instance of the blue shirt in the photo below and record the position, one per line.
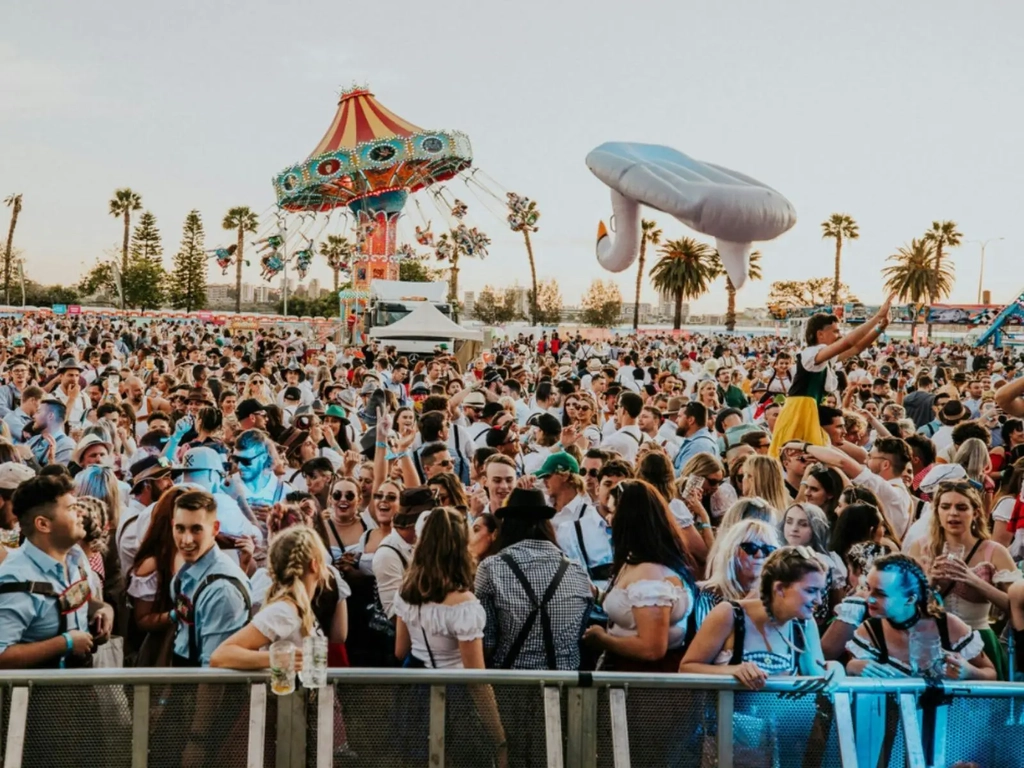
(16, 421)
(28, 618)
(702, 441)
(10, 398)
(41, 449)
(221, 610)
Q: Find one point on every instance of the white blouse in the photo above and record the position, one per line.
(620, 602)
(443, 627)
(279, 621)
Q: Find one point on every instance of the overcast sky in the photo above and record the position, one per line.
(897, 113)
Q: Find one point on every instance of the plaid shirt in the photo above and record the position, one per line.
(507, 605)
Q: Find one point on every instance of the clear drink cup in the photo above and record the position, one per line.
(314, 661)
(282, 667)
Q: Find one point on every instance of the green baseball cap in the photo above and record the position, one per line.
(335, 411)
(558, 462)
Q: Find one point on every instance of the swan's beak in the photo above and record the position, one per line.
(602, 231)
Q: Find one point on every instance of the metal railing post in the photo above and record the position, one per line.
(939, 734)
(291, 730)
(325, 727)
(574, 727)
(553, 726)
(911, 731)
(140, 726)
(844, 729)
(588, 729)
(257, 724)
(438, 696)
(620, 727)
(16, 728)
(726, 706)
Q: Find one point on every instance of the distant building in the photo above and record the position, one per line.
(626, 313)
(219, 292)
(667, 307)
(468, 300)
(314, 289)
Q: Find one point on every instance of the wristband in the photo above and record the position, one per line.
(381, 445)
(401, 455)
(70, 643)
(702, 526)
(878, 330)
(173, 616)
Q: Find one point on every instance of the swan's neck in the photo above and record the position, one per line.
(618, 250)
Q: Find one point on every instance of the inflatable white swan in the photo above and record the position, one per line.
(733, 208)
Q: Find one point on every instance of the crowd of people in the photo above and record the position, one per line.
(181, 495)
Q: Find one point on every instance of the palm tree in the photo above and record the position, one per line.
(522, 217)
(243, 220)
(338, 250)
(912, 276)
(14, 203)
(942, 235)
(753, 273)
(839, 226)
(685, 270)
(122, 204)
(649, 233)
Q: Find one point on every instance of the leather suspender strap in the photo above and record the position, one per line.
(538, 607)
(739, 632)
(429, 651)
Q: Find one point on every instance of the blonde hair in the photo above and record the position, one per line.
(723, 570)
(764, 473)
(290, 557)
(973, 457)
(101, 483)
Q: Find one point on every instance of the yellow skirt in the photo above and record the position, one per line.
(797, 421)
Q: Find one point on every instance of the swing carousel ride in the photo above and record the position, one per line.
(346, 199)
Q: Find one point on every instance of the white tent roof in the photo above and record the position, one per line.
(425, 322)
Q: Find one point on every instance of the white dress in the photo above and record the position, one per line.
(620, 602)
(443, 627)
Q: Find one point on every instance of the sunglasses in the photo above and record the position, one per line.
(445, 463)
(346, 495)
(591, 472)
(389, 497)
(245, 461)
(752, 549)
(712, 483)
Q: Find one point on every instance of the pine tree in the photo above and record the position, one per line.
(143, 280)
(187, 283)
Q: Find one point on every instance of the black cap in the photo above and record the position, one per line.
(248, 407)
(526, 504)
(413, 502)
(546, 423)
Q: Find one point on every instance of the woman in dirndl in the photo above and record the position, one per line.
(815, 375)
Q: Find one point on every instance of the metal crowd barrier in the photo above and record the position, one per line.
(134, 718)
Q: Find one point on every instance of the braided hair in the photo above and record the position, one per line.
(787, 565)
(291, 556)
(913, 580)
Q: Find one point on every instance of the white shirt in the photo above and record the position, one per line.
(892, 495)
(597, 540)
(435, 629)
(625, 442)
(533, 461)
(572, 511)
(131, 530)
(389, 570)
